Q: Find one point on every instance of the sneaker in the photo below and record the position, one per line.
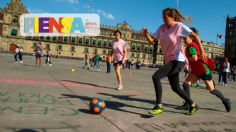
(21, 61)
(50, 64)
(156, 110)
(192, 110)
(185, 106)
(119, 87)
(227, 104)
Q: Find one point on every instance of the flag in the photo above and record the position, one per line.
(219, 36)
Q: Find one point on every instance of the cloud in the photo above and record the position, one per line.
(70, 1)
(105, 14)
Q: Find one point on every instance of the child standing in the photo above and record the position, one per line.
(49, 57)
(17, 53)
(108, 61)
(38, 49)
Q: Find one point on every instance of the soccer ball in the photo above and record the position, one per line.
(73, 70)
(97, 105)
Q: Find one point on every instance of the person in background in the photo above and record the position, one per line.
(49, 57)
(21, 53)
(226, 71)
(87, 61)
(108, 61)
(38, 49)
(16, 54)
(96, 62)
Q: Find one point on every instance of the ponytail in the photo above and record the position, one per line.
(174, 13)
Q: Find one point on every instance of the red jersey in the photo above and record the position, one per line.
(197, 67)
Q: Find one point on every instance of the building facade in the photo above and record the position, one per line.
(139, 49)
(230, 39)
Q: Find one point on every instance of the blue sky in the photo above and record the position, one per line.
(208, 16)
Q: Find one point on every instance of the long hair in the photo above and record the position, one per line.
(174, 13)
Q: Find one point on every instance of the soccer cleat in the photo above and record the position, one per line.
(227, 104)
(185, 106)
(192, 110)
(156, 110)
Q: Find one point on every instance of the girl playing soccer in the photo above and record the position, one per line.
(170, 35)
(200, 70)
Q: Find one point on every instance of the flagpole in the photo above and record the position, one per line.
(177, 4)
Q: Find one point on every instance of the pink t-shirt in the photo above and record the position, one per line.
(171, 41)
(118, 50)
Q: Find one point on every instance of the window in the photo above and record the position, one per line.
(60, 47)
(72, 48)
(144, 56)
(87, 41)
(80, 41)
(48, 38)
(132, 55)
(41, 37)
(101, 32)
(133, 46)
(106, 33)
(105, 43)
(104, 52)
(86, 50)
(138, 56)
(95, 51)
(99, 42)
(138, 47)
(151, 49)
(65, 39)
(14, 32)
(94, 42)
(54, 38)
(146, 48)
(73, 40)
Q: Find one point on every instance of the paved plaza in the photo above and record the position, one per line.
(55, 99)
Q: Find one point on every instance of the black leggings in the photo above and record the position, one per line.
(171, 70)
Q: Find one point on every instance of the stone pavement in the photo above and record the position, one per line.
(55, 99)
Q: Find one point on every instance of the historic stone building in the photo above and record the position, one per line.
(75, 47)
(230, 39)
